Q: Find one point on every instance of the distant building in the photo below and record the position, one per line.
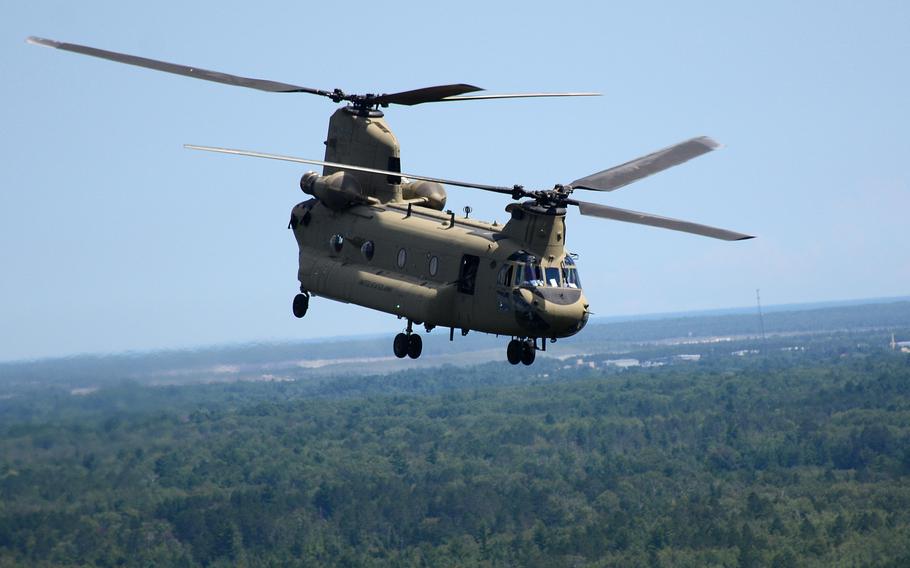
(688, 357)
(744, 352)
(623, 363)
(902, 346)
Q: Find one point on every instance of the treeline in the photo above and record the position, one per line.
(195, 365)
(785, 459)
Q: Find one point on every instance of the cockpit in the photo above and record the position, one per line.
(523, 269)
(545, 298)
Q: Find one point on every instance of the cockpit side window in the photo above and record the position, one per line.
(505, 275)
(570, 273)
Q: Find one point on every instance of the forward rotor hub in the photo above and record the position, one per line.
(556, 197)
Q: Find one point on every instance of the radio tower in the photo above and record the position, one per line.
(761, 318)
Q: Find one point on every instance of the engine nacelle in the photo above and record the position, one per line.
(433, 192)
(336, 191)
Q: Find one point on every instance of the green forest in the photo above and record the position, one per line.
(782, 456)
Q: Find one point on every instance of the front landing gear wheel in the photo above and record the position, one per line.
(400, 346)
(528, 352)
(513, 351)
(301, 303)
(415, 346)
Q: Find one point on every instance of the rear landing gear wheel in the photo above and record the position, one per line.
(528, 352)
(400, 346)
(513, 351)
(415, 346)
(301, 303)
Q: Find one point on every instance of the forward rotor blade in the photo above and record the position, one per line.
(639, 168)
(495, 188)
(187, 71)
(425, 95)
(518, 96)
(605, 212)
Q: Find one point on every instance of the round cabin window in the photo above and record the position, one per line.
(402, 257)
(367, 250)
(336, 243)
(434, 265)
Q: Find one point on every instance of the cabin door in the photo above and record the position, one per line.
(467, 282)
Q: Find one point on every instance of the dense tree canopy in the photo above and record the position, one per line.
(782, 458)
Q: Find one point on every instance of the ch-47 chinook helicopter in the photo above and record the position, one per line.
(374, 236)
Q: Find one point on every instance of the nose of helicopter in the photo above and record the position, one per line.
(553, 312)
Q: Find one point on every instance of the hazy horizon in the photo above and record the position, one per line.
(594, 321)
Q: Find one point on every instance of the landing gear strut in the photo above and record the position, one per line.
(408, 344)
(521, 351)
(301, 303)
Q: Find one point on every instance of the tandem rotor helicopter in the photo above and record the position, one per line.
(376, 237)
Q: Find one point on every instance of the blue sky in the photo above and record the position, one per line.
(113, 237)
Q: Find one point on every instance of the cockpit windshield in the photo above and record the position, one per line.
(529, 272)
(552, 276)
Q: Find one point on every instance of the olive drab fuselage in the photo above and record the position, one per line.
(383, 243)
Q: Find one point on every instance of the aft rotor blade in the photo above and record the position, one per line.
(425, 95)
(496, 188)
(628, 216)
(639, 168)
(185, 70)
(518, 96)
